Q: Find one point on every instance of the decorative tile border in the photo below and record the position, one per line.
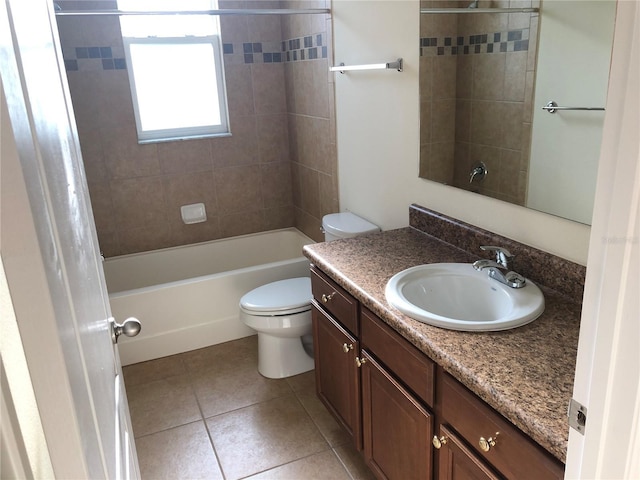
(498, 42)
(103, 55)
(309, 47)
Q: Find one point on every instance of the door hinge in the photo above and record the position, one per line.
(577, 416)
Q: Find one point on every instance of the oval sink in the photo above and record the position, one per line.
(458, 297)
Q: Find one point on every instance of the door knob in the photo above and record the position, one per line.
(129, 328)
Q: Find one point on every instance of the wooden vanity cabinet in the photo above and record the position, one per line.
(334, 316)
(500, 445)
(457, 461)
(412, 419)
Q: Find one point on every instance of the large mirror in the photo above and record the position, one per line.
(487, 68)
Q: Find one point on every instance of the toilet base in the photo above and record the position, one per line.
(280, 357)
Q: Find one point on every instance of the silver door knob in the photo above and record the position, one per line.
(129, 328)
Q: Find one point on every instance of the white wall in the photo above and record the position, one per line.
(573, 70)
(377, 117)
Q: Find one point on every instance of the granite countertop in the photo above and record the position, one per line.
(525, 373)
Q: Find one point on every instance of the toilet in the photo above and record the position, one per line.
(281, 311)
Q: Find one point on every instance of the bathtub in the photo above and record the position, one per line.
(187, 297)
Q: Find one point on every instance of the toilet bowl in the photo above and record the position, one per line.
(281, 311)
(281, 314)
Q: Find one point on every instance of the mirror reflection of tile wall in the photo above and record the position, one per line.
(477, 75)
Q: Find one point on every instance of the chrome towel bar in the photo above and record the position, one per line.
(397, 65)
(552, 107)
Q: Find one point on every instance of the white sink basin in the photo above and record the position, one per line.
(458, 297)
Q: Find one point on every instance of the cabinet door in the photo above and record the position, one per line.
(337, 376)
(397, 428)
(457, 462)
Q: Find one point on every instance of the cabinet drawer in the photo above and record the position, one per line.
(514, 454)
(408, 363)
(335, 300)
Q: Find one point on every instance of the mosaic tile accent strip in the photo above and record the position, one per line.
(498, 42)
(309, 47)
(104, 55)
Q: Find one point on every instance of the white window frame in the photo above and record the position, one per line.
(171, 134)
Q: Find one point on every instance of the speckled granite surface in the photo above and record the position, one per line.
(526, 373)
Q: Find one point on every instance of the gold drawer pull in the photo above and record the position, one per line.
(487, 443)
(439, 442)
(326, 298)
(346, 348)
(360, 361)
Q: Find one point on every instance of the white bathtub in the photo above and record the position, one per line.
(187, 297)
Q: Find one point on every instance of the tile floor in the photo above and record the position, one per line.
(209, 414)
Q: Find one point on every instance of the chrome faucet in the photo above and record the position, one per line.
(498, 269)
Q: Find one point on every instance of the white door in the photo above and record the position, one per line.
(41, 118)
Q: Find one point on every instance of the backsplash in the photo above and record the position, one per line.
(278, 168)
(563, 276)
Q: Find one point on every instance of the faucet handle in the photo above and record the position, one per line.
(503, 256)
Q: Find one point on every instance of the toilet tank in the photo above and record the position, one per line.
(345, 225)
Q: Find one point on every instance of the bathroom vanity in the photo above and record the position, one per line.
(425, 402)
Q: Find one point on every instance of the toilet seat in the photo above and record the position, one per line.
(284, 297)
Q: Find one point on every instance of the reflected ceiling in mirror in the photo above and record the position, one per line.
(478, 71)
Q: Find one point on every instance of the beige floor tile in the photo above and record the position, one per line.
(328, 426)
(303, 383)
(183, 452)
(145, 372)
(162, 404)
(234, 385)
(242, 350)
(321, 466)
(263, 436)
(354, 462)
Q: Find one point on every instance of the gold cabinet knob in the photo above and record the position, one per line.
(439, 442)
(346, 348)
(326, 298)
(487, 443)
(360, 361)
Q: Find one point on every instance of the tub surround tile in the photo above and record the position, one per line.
(526, 373)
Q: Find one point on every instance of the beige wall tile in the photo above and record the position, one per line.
(309, 225)
(249, 221)
(185, 156)
(488, 76)
(310, 192)
(443, 126)
(241, 148)
(444, 76)
(268, 88)
(276, 184)
(279, 217)
(138, 202)
(273, 138)
(515, 76)
(239, 90)
(239, 189)
(124, 157)
(102, 206)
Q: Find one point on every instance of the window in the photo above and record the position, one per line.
(175, 70)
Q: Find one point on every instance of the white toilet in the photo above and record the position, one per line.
(281, 311)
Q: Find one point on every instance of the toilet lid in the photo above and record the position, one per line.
(279, 298)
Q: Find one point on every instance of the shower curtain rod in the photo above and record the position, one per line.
(478, 10)
(257, 11)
